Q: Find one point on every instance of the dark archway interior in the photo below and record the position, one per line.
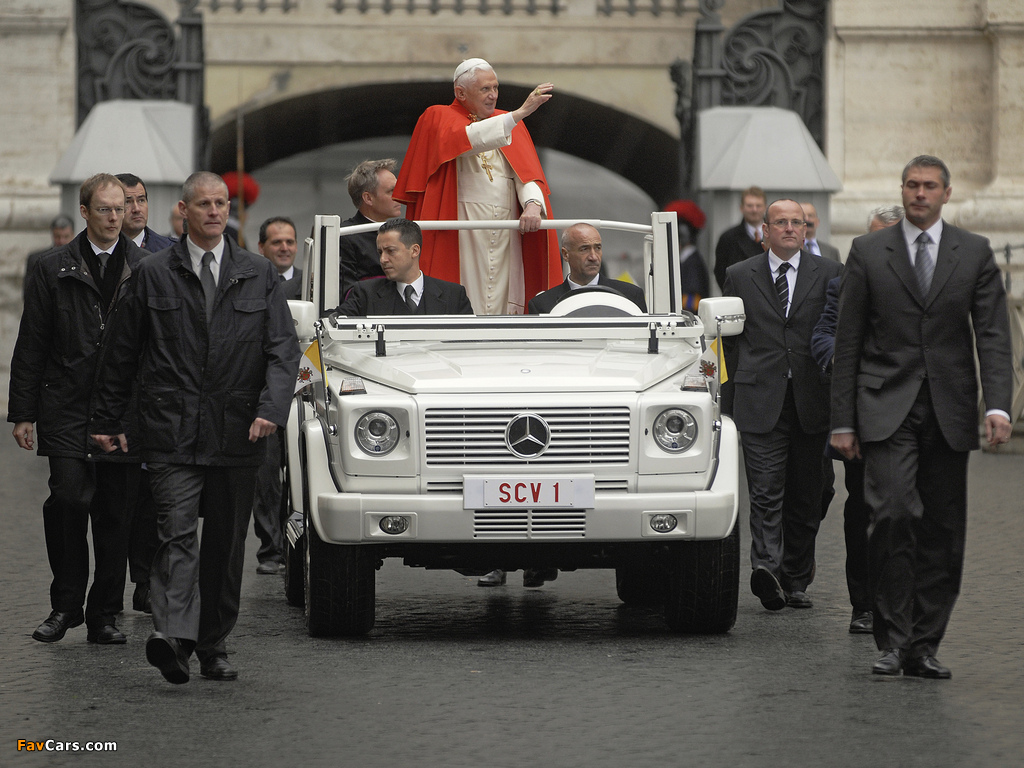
(626, 145)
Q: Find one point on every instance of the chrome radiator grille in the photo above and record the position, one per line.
(475, 436)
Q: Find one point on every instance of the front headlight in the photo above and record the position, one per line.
(377, 433)
(675, 430)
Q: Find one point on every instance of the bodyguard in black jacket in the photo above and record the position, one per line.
(208, 331)
(73, 295)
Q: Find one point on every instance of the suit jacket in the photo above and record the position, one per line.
(733, 247)
(772, 345)
(380, 297)
(545, 301)
(154, 241)
(828, 251)
(358, 255)
(292, 287)
(891, 339)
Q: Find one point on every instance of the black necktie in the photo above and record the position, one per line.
(923, 267)
(209, 286)
(102, 258)
(412, 305)
(782, 285)
(281, 278)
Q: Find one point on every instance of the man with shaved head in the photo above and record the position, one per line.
(581, 251)
(207, 333)
(781, 403)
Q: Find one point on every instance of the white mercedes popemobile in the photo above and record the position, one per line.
(588, 438)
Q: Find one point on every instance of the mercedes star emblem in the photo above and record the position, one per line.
(527, 435)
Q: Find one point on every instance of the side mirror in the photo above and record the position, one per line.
(304, 316)
(721, 311)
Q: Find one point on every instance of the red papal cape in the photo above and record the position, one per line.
(428, 185)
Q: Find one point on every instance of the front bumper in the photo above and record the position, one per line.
(353, 518)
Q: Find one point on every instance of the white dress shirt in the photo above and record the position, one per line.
(196, 255)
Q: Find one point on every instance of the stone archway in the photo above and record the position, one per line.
(626, 145)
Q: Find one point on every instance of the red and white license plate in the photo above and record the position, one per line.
(543, 492)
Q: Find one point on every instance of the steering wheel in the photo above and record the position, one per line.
(594, 301)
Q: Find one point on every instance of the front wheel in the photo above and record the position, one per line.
(340, 588)
(703, 585)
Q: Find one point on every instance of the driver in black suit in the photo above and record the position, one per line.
(581, 250)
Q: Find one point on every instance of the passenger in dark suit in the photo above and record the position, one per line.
(277, 242)
(744, 240)
(915, 303)
(581, 250)
(405, 289)
(781, 404)
(371, 186)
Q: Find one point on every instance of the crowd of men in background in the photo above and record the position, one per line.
(155, 374)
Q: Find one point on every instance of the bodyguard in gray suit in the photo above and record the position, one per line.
(915, 303)
(781, 404)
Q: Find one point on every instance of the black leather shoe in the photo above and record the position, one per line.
(890, 662)
(56, 624)
(108, 634)
(167, 655)
(862, 623)
(926, 666)
(798, 599)
(492, 579)
(217, 668)
(270, 568)
(140, 600)
(767, 588)
(536, 578)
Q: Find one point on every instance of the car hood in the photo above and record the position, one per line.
(458, 367)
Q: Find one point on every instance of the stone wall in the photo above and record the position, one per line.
(37, 102)
(941, 77)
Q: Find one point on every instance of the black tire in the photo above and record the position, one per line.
(640, 585)
(295, 572)
(340, 588)
(703, 586)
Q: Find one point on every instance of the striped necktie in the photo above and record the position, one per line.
(782, 285)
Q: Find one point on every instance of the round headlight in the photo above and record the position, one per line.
(675, 430)
(377, 433)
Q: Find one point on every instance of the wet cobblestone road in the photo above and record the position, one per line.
(454, 675)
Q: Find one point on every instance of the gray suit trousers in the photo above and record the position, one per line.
(195, 586)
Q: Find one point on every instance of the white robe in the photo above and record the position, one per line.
(491, 261)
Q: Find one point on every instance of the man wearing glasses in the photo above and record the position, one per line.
(781, 405)
(72, 296)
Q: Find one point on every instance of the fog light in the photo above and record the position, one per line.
(396, 524)
(664, 523)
